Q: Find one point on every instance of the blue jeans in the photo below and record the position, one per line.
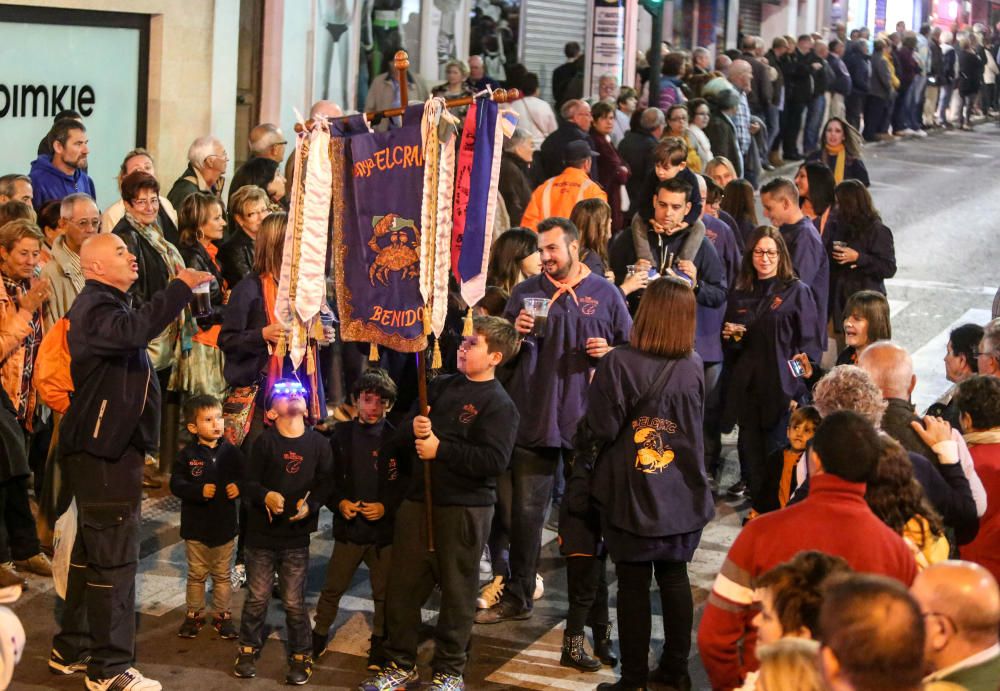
(814, 121)
(944, 102)
(773, 127)
(292, 566)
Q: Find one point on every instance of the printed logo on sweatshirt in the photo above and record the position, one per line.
(653, 454)
(588, 306)
(393, 474)
(293, 462)
(776, 303)
(711, 235)
(197, 467)
(468, 414)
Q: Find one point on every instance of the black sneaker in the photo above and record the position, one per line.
(226, 627)
(320, 641)
(192, 625)
(300, 669)
(504, 611)
(376, 655)
(59, 665)
(246, 663)
(737, 490)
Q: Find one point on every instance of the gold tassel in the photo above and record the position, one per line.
(310, 362)
(467, 326)
(427, 320)
(281, 347)
(373, 353)
(436, 359)
(317, 329)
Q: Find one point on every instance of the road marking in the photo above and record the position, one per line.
(939, 285)
(928, 365)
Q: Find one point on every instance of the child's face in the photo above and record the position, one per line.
(800, 434)
(290, 405)
(208, 424)
(371, 407)
(665, 171)
(474, 356)
(768, 625)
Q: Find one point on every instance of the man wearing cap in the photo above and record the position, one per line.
(557, 196)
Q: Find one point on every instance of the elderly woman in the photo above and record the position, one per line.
(626, 103)
(515, 183)
(140, 159)
(207, 161)
(611, 171)
(21, 300)
(248, 207)
(456, 72)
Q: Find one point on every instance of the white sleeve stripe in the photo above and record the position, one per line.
(732, 591)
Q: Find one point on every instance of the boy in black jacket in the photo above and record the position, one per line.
(367, 489)
(287, 481)
(206, 476)
(467, 439)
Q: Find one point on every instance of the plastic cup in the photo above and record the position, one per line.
(538, 309)
(202, 303)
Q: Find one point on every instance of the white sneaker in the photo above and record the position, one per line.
(539, 587)
(490, 593)
(129, 680)
(919, 133)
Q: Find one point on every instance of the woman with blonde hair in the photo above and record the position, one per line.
(248, 207)
(791, 664)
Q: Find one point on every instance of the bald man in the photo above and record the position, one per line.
(325, 109)
(960, 602)
(113, 421)
(267, 141)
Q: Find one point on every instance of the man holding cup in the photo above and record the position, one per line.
(584, 317)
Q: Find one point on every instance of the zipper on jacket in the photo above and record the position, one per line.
(149, 374)
(100, 416)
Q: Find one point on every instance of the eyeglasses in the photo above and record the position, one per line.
(679, 118)
(984, 353)
(87, 223)
(150, 203)
(770, 254)
(289, 389)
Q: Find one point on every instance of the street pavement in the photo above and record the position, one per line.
(938, 195)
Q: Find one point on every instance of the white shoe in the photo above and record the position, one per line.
(539, 587)
(490, 593)
(129, 680)
(919, 133)
(906, 132)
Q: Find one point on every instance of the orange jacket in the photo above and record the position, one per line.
(557, 196)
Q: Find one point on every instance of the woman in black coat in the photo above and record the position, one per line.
(840, 150)
(771, 316)
(970, 78)
(645, 409)
(861, 249)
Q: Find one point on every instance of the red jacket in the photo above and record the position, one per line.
(985, 549)
(835, 519)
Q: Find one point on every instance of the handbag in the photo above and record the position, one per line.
(237, 413)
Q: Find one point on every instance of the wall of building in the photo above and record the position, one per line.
(192, 72)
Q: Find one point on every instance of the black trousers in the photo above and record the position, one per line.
(459, 535)
(677, 608)
(18, 536)
(855, 106)
(99, 615)
(587, 589)
(791, 127)
(876, 117)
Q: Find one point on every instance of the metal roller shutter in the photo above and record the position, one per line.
(549, 25)
(750, 16)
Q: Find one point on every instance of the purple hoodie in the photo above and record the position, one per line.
(48, 182)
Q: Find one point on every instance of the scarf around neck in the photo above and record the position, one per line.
(571, 282)
(989, 436)
(838, 152)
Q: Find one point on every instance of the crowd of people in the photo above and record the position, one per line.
(638, 309)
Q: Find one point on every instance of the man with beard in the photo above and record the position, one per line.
(587, 316)
(65, 171)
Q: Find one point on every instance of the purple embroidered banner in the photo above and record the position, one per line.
(377, 194)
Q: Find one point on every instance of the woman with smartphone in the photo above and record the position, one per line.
(771, 316)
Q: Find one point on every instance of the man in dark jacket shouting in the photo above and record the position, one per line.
(112, 421)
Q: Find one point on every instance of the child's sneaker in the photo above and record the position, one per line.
(300, 668)
(446, 682)
(226, 627)
(192, 625)
(391, 677)
(246, 663)
(238, 577)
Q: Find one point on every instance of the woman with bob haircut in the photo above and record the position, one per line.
(770, 317)
(515, 257)
(861, 248)
(866, 320)
(645, 406)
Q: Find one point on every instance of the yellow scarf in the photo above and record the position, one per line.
(838, 168)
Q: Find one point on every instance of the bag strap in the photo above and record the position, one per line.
(656, 386)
